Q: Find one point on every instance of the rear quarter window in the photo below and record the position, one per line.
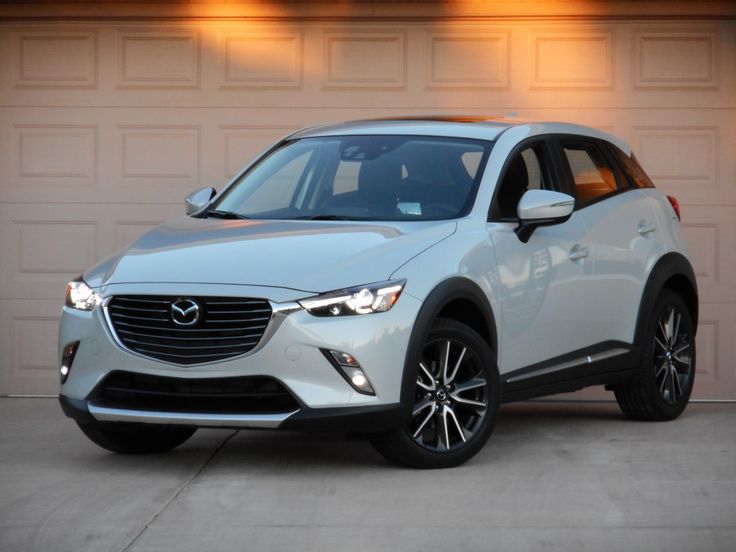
(635, 175)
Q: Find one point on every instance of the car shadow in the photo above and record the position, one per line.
(518, 425)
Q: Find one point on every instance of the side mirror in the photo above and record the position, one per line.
(542, 208)
(198, 200)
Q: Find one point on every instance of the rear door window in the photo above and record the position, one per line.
(593, 177)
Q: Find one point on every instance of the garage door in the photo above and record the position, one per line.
(106, 125)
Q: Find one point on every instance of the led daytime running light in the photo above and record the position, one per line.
(371, 298)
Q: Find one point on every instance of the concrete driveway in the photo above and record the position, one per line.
(572, 476)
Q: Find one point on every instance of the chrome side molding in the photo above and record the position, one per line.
(589, 359)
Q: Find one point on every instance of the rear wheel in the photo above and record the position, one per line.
(456, 398)
(663, 387)
(136, 439)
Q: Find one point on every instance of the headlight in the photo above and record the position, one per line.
(80, 296)
(378, 297)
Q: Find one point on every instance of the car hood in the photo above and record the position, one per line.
(309, 256)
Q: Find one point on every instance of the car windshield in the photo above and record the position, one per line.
(360, 178)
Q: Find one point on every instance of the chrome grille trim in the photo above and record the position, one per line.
(127, 324)
(225, 335)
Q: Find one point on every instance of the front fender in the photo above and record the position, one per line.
(442, 295)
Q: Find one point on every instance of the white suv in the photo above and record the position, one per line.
(396, 279)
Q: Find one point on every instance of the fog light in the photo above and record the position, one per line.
(359, 379)
(349, 368)
(67, 357)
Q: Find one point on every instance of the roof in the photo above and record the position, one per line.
(482, 128)
(456, 126)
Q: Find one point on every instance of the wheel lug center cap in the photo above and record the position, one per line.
(441, 395)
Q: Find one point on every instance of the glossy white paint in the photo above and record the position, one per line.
(198, 200)
(372, 339)
(572, 285)
(540, 290)
(623, 254)
(312, 256)
(544, 205)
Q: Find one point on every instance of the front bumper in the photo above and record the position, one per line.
(354, 419)
(290, 353)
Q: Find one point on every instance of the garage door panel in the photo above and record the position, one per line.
(469, 59)
(709, 233)
(571, 58)
(684, 157)
(58, 152)
(52, 57)
(46, 245)
(260, 58)
(166, 57)
(159, 154)
(683, 64)
(716, 339)
(673, 58)
(688, 153)
(364, 58)
(242, 143)
(41, 254)
(267, 64)
(28, 346)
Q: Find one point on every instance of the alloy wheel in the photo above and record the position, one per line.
(672, 356)
(451, 396)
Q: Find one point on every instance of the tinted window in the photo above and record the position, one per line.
(592, 176)
(526, 170)
(635, 174)
(362, 177)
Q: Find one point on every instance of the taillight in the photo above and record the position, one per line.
(675, 205)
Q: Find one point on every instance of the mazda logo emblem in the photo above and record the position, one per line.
(185, 312)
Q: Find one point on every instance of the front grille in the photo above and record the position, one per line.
(232, 395)
(226, 327)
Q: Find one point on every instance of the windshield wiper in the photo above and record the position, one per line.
(332, 217)
(214, 213)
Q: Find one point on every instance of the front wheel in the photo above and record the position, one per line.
(135, 438)
(456, 398)
(662, 389)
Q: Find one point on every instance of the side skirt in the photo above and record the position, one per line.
(606, 363)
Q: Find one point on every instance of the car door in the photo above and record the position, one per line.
(621, 235)
(544, 282)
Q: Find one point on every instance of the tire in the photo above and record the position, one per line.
(457, 390)
(662, 389)
(136, 439)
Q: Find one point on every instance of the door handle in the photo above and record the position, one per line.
(646, 227)
(578, 252)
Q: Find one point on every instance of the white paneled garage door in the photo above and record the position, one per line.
(106, 125)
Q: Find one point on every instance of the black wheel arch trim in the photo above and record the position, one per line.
(669, 265)
(443, 294)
